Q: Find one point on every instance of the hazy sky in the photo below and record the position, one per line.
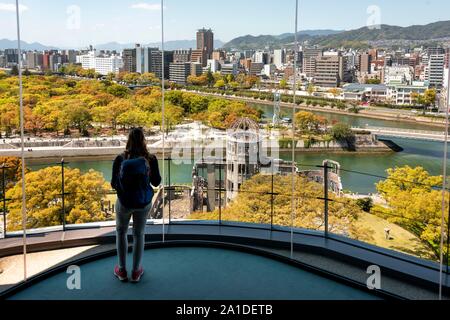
(81, 22)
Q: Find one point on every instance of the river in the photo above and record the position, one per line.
(416, 153)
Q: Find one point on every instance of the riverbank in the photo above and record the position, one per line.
(369, 113)
(80, 154)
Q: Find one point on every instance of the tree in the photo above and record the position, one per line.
(77, 115)
(311, 89)
(283, 84)
(9, 118)
(132, 118)
(116, 108)
(343, 132)
(414, 199)
(14, 71)
(13, 170)
(198, 81)
(373, 81)
(210, 78)
(220, 84)
(253, 205)
(43, 189)
(33, 121)
(118, 91)
(308, 122)
(335, 92)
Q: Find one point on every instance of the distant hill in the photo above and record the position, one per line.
(432, 31)
(11, 44)
(262, 41)
(169, 45)
(362, 36)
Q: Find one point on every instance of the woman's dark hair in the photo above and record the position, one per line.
(136, 145)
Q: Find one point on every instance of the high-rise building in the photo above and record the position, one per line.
(129, 60)
(261, 57)
(150, 60)
(447, 58)
(279, 58)
(205, 42)
(213, 65)
(219, 55)
(179, 72)
(329, 71)
(309, 60)
(199, 56)
(11, 56)
(196, 69)
(144, 59)
(435, 50)
(156, 63)
(364, 63)
(182, 55)
(34, 59)
(434, 72)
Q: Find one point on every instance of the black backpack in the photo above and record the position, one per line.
(134, 189)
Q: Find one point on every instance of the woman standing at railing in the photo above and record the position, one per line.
(134, 173)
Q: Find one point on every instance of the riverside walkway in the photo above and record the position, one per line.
(404, 133)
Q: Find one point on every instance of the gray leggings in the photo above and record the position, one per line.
(123, 216)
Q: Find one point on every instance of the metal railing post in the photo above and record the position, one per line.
(220, 194)
(325, 190)
(4, 198)
(63, 194)
(448, 238)
(170, 191)
(272, 202)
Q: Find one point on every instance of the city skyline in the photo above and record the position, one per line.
(134, 21)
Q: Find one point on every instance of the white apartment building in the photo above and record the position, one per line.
(434, 72)
(403, 94)
(260, 57)
(398, 75)
(101, 64)
(279, 58)
(213, 65)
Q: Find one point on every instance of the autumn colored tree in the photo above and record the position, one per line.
(253, 205)
(43, 189)
(414, 199)
(308, 122)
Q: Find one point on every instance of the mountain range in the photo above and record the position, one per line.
(169, 45)
(387, 35)
(359, 37)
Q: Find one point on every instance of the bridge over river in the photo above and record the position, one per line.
(405, 133)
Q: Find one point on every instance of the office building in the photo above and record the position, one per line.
(329, 71)
(309, 60)
(100, 63)
(179, 72)
(199, 56)
(205, 42)
(279, 58)
(129, 60)
(196, 69)
(434, 72)
(364, 63)
(182, 55)
(229, 68)
(256, 69)
(213, 65)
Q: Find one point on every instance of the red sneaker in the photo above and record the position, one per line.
(136, 275)
(120, 274)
